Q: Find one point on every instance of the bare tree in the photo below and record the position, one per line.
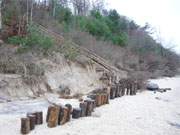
(98, 5)
(63, 3)
(81, 7)
(0, 15)
(32, 3)
(27, 14)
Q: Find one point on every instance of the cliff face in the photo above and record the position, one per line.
(59, 76)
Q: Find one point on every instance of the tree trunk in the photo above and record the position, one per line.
(0, 16)
(27, 10)
(32, 2)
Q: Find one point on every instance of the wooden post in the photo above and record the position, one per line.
(69, 106)
(117, 90)
(123, 89)
(93, 104)
(99, 99)
(112, 92)
(131, 88)
(120, 90)
(64, 115)
(128, 88)
(48, 112)
(106, 99)
(83, 106)
(25, 125)
(32, 119)
(135, 88)
(76, 113)
(53, 117)
(89, 107)
(39, 118)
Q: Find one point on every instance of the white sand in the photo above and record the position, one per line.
(144, 114)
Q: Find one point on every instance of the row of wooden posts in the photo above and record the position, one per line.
(59, 115)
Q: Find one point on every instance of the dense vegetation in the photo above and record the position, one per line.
(107, 27)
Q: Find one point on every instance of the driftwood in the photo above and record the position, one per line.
(25, 125)
(99, 70)
(161, 90)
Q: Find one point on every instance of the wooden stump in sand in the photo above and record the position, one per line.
(69, 111)
(53, 116)
(106, 99)
(76, 113)
(25, 125)
(98, 100)
(112, 92)
(32, 119)
(39, 117)
(83, 107)
(117, 90)
(48, 112)
(64, 115)
(89, 107)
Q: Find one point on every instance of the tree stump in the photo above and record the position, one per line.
(83, 107)
(32, 119)
(25, 125)
(53, 117)
(76, 113)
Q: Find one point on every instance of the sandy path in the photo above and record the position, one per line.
(144, 114)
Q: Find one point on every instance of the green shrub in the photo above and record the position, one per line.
(98, 28)
(96, 14)
(81, 22)
(63, 14)
(69, 50)
(18, 40)
(33, 38)
(120, 39)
